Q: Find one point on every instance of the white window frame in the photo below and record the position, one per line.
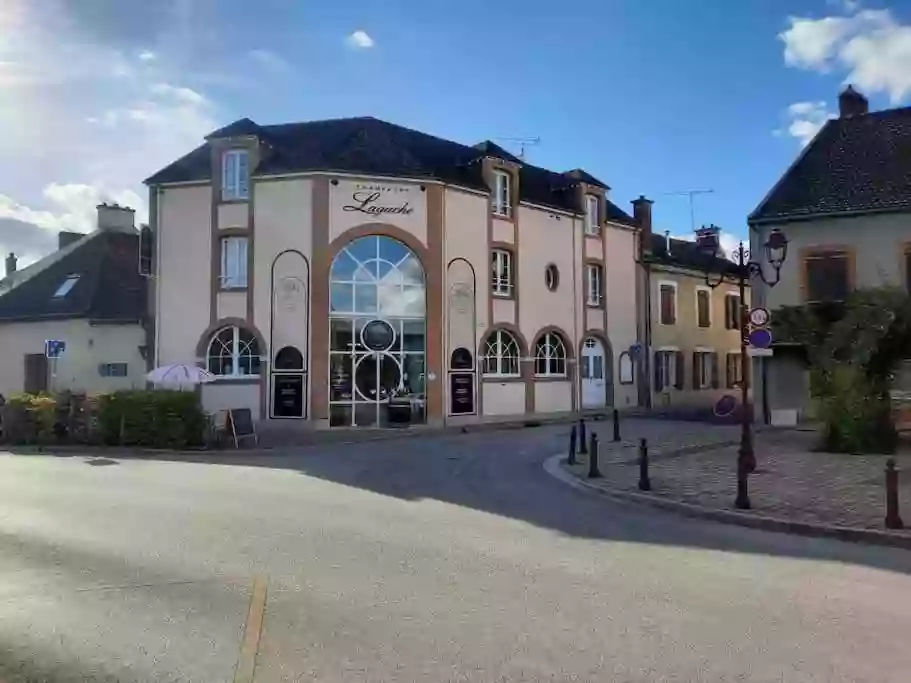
(592, 224)
(235, 174)
(708, 291)
(673, 285)
(104, 369)
(704, 359)
(551, 349)
(502, 194)
(667, 367)
(237, 351)
(500, 262)
(500, 346)
(594, 291)
(738, 312)
(234, 263)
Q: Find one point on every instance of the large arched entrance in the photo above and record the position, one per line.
(377, 334)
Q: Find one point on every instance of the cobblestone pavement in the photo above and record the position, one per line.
(791, 481)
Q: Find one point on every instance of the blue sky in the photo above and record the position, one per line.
(652, 96)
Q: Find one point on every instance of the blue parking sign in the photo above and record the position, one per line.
(54, 348)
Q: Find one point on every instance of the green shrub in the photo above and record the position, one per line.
(29, 418)
(856, 415)
(152, 418)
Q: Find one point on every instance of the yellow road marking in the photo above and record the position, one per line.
(246, 662)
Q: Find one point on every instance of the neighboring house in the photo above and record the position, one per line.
(88, 294)
(353, 272)
(845, 207)
(692, 331)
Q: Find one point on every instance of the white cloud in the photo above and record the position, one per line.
(360, 39)
(92, 120)
(805, 119)
(871, 46)
(269, 60)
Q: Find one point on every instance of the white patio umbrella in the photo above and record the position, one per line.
(180, 374)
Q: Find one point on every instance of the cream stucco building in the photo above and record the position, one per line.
(357, 273)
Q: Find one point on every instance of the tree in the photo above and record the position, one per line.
(853, 348)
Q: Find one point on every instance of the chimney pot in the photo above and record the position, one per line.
(852, 103)
(116, 218)
(642, 213)
(11, 261)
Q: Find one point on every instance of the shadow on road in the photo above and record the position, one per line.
(500, 473)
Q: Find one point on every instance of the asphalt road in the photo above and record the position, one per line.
(443, 559)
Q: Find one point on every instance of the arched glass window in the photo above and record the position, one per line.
(233, 352)
(550, 355)
(501, 355)
(289, 358)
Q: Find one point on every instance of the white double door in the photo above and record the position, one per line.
(593, 372)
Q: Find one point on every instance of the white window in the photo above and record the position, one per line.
(66, 286)
(550, 356)
(233, 262)
(703, 369)
(235, 172)
(594, 284)
(591, 215)
(501, 355)
(113, 369)
(501, 272)
(502, 205)
(233, 352)
(665, 370)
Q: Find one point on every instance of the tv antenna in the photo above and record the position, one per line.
(523, 143)
(691, 194)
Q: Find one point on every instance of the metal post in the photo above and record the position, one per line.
(571, 458)
(593, 471)
(645, 484)
(616, 425)
(893, 518)
(582, 444)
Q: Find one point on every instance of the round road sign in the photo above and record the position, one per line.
(760, 338)
(759, 317)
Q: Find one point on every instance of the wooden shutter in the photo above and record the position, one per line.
(714, 359)
(695, 369)
(657, 370)
(680, 369)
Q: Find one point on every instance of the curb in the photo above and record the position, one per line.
(553, 467)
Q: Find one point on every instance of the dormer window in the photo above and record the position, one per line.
(235, 174)
(591, 215)
(502, 194)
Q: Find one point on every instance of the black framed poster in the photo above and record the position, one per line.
(461, 393)
(287, 395)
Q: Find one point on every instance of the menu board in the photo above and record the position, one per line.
(288, 395)
(461, 393)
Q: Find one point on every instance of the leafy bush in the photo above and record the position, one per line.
(153, 418)
(29, 418)
(856, 416)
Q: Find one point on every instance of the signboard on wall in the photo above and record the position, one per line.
(461, 393)
(376, 200)
(288, 395)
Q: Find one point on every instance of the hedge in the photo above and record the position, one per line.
(149, 418)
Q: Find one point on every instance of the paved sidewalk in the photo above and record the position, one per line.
(792, 482)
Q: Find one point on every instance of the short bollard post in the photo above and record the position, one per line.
(571, 458)
(593, 471)
(893, 518)
(645, 484)
(582, 443)
(616, 425)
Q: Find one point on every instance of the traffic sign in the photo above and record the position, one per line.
(54, 348)
(760, 353)
(760, 316)
(635, 350)
(760, 338)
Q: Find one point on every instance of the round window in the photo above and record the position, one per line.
(378, 335)
(551, 277)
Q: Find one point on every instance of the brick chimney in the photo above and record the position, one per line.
(116, 218)
(11, 264)
(642, 213)
(852, 103)
(65, 238)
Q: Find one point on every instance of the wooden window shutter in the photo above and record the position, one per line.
(680, 370)
(714, 370)
(695, 369)
(658, 386)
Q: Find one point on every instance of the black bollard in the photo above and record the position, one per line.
(893, 518)
(582, 442)
(571, 458)
(616, 425)
(593, 471)
(645, 484)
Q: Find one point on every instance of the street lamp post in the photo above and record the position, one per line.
(776, 250)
